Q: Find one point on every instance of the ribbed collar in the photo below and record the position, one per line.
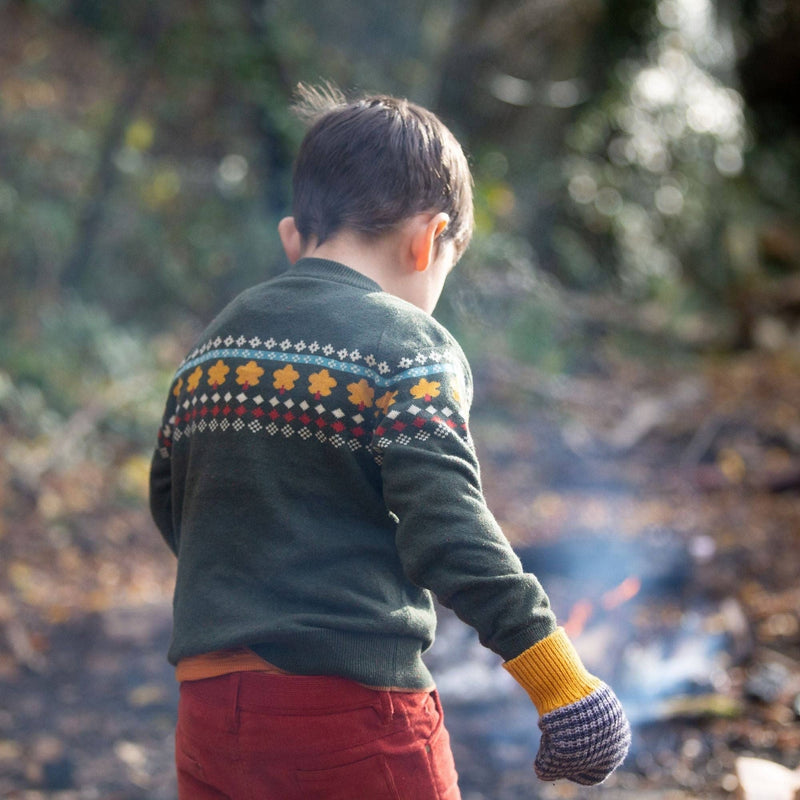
(324, 269)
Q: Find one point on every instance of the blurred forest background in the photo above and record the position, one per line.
(631, 306)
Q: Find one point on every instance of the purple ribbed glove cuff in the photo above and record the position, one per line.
(584, 741)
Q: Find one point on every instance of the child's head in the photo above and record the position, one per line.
(368, 165)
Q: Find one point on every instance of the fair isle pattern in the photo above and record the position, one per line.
(342, 398)
(584, 741)
(302, 353)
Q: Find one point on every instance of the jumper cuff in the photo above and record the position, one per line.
(552, 673)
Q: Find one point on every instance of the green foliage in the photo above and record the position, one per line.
(145, 156)
(75, 356)
(500, 303)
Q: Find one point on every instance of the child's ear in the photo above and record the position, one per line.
(423, 243)
(290, 239)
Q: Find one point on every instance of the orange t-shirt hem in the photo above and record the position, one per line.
(223, 662)
(243, 659)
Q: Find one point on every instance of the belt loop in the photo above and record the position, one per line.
(387, 706)
(437, 702)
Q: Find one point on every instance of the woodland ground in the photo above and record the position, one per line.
(683, 481)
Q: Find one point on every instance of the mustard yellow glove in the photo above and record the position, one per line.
(585, 733)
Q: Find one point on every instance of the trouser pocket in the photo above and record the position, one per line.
(367, 778)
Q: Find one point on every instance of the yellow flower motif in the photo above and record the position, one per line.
(218, 373)
(285, 378)
(361, 394)
(425, 390)
(385, 401)
(194, 379)
(457, 396)
(320, 383)
(177, 388)
(248, 374)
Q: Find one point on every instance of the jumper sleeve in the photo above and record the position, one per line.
(161, 481)
(448, 540)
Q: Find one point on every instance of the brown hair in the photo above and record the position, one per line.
(366, 165)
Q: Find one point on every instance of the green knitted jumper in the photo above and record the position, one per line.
(316, 478)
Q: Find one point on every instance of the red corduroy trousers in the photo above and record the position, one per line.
(257, 736)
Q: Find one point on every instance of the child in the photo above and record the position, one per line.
(316, 479)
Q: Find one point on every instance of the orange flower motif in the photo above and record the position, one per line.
(248, 374)
(320, 383)
(426, 390)
(361, 394)
(385, 401)
(285, 378)
(194, 379)
(177, 388)
(218, 373)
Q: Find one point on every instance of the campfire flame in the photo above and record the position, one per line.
(583, 609)
(622, 593)
(576, 621)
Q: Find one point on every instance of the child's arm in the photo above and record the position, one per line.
(161, 483)
(450, 543)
